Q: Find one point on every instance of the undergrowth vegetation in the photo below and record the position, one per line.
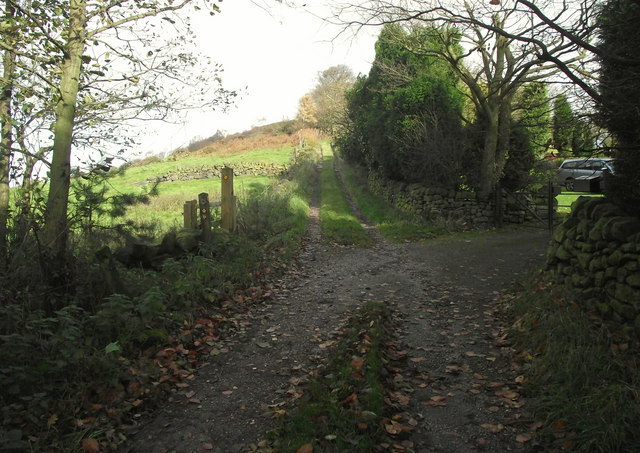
(83, 354)
(343, 407)
(585, 386)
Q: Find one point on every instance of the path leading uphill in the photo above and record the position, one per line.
(463, 394)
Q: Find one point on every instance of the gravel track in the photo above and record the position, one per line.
(455, 373)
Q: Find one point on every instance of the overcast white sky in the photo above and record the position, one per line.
(276, 54)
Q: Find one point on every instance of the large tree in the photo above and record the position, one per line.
(98, 65)
(6, 119)
(563, 125)
(406, 114)
(329, 97)
(506, 45)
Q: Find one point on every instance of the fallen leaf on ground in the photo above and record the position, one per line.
(418, 359)
(306, 448)
(537, 425)
(508, 394)
(567, 445)
(351, 399)
(493, 428)
(454, 369)
(90, 446)
(523, 438)
(395, 428)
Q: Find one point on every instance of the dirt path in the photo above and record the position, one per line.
(456, 376)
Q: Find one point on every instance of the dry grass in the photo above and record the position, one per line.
(247, 141)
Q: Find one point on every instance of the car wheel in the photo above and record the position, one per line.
(569, 184)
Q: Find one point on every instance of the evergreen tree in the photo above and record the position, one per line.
(563, 123)
(530, 134)
(582, 142)
(620, 92)
(406, 114)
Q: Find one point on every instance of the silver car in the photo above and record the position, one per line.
(571, 169)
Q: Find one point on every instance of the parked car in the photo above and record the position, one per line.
(592, 167)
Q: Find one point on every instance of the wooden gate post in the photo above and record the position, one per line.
(190, 214)
(228, 200)
(205, 216)
(550, 198)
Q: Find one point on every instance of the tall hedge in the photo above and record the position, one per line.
(620, 96)
(406, 114)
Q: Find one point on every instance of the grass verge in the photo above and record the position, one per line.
(339, 225)
(585, 387)
(344, 401)
(394, 225)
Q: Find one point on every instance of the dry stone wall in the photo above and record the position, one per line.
(213, 171)
(596, 251)
(455, 207)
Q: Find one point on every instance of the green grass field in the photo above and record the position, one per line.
(565, 199)
(165, 210)
(136, 174)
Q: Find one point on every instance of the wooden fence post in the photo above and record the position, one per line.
(205, 216)
(228, 201)
(190, 214)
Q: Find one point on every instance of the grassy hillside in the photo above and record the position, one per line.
(267, 144)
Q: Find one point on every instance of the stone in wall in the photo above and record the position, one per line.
(596, 251)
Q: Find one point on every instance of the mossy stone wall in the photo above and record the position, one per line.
(596, 251)
(213, 171)
(456, 207)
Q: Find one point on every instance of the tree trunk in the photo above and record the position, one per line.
(7, 140)
(55, 231)
(488, 165)
(504, 135)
